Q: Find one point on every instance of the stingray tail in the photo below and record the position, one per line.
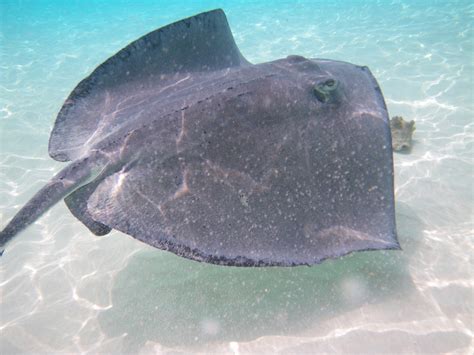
(62, 184)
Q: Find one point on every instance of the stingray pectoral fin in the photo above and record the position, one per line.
(130, 201)
(73, 176)
(160, 59)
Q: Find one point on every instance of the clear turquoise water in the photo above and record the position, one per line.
(63, 290)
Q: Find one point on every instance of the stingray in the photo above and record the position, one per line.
(180, 142)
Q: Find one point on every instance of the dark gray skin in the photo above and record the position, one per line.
(218, 160)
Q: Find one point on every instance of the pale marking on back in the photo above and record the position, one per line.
(184, 188)
(182, 132)
(246, 182)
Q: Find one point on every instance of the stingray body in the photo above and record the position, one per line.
(180, 142)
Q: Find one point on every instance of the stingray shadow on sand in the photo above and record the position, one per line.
(172, 301)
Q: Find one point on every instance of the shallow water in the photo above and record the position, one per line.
(64, 290)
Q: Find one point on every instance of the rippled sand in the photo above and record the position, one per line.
(64, 290)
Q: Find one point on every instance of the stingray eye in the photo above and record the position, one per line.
(330, 83)
(327, 90)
